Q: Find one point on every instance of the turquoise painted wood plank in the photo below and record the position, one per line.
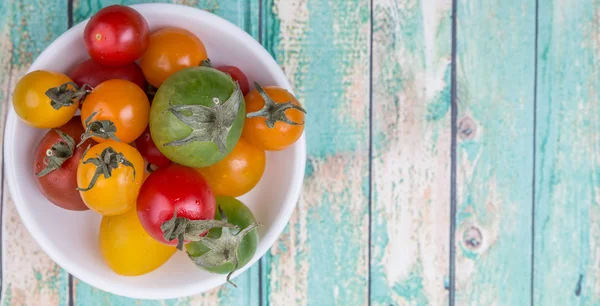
(247, 294)
(411, 152)
(29, 276)
(567, 211)
(495, 77)
(323, 46)
(243, 13)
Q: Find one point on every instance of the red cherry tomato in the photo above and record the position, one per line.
(116, 35)
(60, 185)
(237, 75)
(91, 73)
(169, 189)
(149, 151)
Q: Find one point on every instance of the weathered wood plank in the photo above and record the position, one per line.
(29, 276)
(411, 151)
(321, 258)
(567, 211)
(246, 294)
(495, 77)
(243, 13)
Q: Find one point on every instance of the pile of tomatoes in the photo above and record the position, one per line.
(161, 148)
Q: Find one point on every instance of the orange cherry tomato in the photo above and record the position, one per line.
(170, 50)
(116, 192)
(123, 103)
(282, 135)
(238, 173)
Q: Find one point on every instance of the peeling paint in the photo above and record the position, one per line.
(495, 71)
(411, 152)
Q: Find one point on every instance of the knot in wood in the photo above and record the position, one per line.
(467, 128)
(472, 238)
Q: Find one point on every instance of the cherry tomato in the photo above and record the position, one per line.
(127, 248)
(109, 177)
(238, 173)
(91, 73)
(61, 157)
(33, 105)
(282, 135)
(237, 75)
(149, 151)
(170, 50)
(169, 189)
(122, 103)
(237, 214)
(116, 35)
(185, 141)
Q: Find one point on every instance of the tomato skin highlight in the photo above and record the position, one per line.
(126, 247)
(149, 151)
(282, 135)
(121, 102)
(237, 75)
(171, 50)
(117, 194)
(116, 35)
(33, 106)
(171, 188)
(60, 185)
(237, 214)
(92, 73)
(238, 173)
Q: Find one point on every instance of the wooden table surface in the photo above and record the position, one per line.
(453, 158)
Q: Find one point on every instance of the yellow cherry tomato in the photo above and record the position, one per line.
(33, 105)
(238, 173)
(127, 248)
(118, 192)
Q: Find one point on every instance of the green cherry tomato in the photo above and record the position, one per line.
(197, 116)
(237, 214)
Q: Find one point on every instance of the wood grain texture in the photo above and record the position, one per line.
(567, 212)
(29, 276)
(495, 77)
(321, 258)
(411, 152)
(243, 13)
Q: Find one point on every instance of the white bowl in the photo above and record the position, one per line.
(71, 238)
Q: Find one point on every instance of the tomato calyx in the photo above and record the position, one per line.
(58, 153)
(150, 91)
(63, 96)
(223, 249)
(104, 129)
(208, 124)
(274, 112)
(105, 163)
(206, 63)
(184, 229)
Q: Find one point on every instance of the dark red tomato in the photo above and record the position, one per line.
(59, 186)
(169, 189)
(116, 35)
(237, 75)
(92, 73)
(149, 151)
